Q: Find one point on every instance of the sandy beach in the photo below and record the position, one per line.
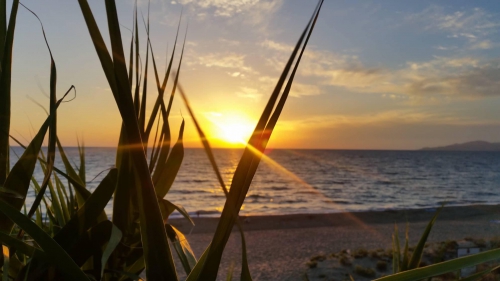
(280, 246)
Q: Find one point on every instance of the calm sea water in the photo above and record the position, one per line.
(317, 181)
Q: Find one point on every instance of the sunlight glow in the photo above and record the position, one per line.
(235, 128)
(232, 128)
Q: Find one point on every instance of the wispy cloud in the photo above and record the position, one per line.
(257, 10)
(300, 90)
(471, 25)
(483, 45)
(231, 61)
(445, 48)
(250, 93)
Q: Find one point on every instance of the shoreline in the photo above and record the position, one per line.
(278, 247)
(307, 220)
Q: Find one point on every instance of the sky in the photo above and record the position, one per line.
(375, 75)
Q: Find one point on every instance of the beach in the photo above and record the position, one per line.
(278, 247)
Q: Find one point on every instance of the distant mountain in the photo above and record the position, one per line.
(468, 146)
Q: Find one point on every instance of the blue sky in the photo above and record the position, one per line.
(376, 75)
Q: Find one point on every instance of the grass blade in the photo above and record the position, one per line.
(19, 178)
(443, 267)
(48, 245)
(182, 248)
(81, 195)
(87, 215)
(137, 81)
(396, 252)
(404, 265)
(157, 254)
(72, 180)
(478, 275)
(5, 86)
(196, 271)
(170, 207)
(114, 239)
(81, 170)
(63, 198)
(161, 88)
(22, 247)
(170, 169)
(54, 104)
(419, 249)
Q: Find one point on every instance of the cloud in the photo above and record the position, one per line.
(300, 90)
(222, 60)
(270, 44)
(249, 93)
(468, 24)
(257, 10)
(443, 48)
(483, 45)
(460, 77)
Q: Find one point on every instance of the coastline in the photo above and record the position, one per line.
(279, 246)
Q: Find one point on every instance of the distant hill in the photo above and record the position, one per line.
(468, 146)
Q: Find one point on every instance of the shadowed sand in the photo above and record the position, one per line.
(279, 246)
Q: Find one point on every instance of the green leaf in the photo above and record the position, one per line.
(245, 270)
(443, 267)
(54, 104)
(114, 240)
(123, 205)
(87, 215)
(91, 244)
(63, 197)
(22, 247)
(419, 249)
(396, 251)
(170, 169)
(196, 271)
(81, 169)
(170, 207)
(81, 192)
(16, 268)
(182, 248)
(7, 46)
(404, 264)
(48, 245)
(477, 275)
(161, 88)
(157, 254)
(100, 46)
(19, 177)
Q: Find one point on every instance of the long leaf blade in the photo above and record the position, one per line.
(419, 249)
(443, 267)
(51, 247)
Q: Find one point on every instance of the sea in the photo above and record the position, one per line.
(292, 181)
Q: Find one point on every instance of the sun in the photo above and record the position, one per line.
(232, 128)
(235, 133)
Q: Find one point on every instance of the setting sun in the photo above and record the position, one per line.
(231, 128)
